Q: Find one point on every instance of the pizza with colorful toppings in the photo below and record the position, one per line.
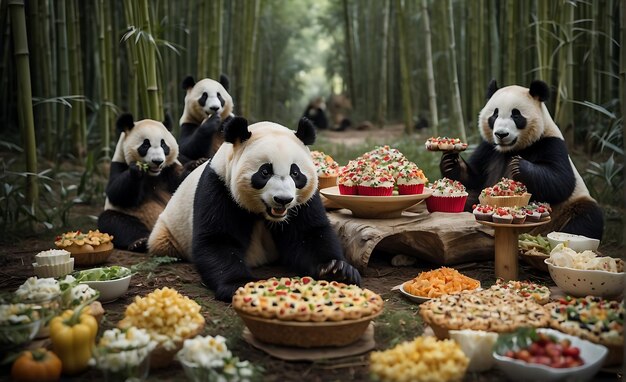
(445, 144)
(306, 299)
(526, 289)
(591, 318)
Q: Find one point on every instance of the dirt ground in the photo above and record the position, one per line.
(399, 322)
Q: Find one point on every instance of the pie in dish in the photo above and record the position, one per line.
(80, 242)
(590, 318)
(526, 289)
(489, 310)
(305, 299)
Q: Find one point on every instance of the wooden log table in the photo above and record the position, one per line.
(506, 246)
(440, 238)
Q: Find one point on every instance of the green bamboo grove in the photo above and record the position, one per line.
(399, 61)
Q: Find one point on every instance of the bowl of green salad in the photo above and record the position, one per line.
(112, 282)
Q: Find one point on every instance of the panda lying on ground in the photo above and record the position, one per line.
(144, 174)
(207, 106)
(522, 142)
(256, 201)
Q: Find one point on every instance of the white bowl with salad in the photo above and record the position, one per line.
(112, 282)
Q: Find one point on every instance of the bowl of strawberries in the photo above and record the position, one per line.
(547, 355)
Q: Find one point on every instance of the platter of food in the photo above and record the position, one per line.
(445, 144)
(436, 283)
(511, 225)
(303, 312)
(374, 207)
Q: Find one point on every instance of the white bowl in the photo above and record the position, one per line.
(581, 283)
(578, 243)
(110, 290)
(592, 354)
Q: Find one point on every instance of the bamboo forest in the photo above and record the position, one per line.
(375, 79)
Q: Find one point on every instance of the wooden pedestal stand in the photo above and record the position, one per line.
(505, 237)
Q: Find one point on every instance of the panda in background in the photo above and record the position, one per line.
(144, 174)
(522, 142)
(207, 106)
(255, 202)
(316, 113)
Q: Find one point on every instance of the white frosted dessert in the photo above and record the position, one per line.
(477, 346)
(52, 257)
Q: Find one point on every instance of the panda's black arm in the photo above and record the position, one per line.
(221, 235)
(124, 188)
(546, 171)
(196, 140)
(309, 245)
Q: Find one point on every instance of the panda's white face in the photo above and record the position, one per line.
(271, 173)
(512, 119)
(205, 98)
(150, 143)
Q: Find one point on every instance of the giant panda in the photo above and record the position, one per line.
(144, 174)
(522, 142)
(255, 202)
(207, 105)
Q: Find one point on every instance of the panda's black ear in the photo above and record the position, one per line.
(125, 122)
(236, 129)
(306, 131)
(491, 88)
(224, 81)
(540, 90)
(188, 83)
(167, 122)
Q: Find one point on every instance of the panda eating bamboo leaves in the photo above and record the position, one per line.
(255, 202)
(144, 174)
(207, 105)
(522, 142)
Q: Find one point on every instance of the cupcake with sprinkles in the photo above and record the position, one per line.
(410, 179)
(376, 182)
(448, 196)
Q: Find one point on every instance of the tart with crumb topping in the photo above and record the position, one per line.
(90, 248)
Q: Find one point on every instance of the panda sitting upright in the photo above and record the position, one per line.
(256, 201)
(522, 142)
(144, 174)
(207, 106)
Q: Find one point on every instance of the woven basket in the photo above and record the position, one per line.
(306, 334)
(100, 254)
(162, 357)
(506, 201)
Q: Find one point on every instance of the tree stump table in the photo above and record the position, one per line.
(506, 246)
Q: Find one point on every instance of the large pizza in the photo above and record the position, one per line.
(306, 299)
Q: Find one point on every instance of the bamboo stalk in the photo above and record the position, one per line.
(105, 97)
(494, 43)
(456, 95)
(404, 71)
(63, 80)
(622, 97)
(349, 50)
(430, 73)
(150, 65)
(564, 108)
(511, 44)
(27, 123)
(383, 87)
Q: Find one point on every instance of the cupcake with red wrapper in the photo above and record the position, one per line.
(448, 196)
(410, 179)
(483, 212)
(502, 215)
(376, 182)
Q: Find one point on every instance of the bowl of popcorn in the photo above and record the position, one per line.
(423, 359)
(168, 317)
(124, 355)
(91, 248)
(585, 273)
(53, 263)
(208, 359)
(19, 323)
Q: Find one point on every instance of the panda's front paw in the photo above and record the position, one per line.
(212, 123)
(449, 163)
(339, 270)
(514, 167)
(139, 245)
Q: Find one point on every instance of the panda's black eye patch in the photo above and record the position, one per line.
(492, 119)
(298, 177)
(165, 147)
(518, 119)
(143, 149)
(260, 178)
(219, 96)
(202, 100)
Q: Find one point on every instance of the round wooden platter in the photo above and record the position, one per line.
(511, 225)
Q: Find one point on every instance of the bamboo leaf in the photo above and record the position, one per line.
(595, 107)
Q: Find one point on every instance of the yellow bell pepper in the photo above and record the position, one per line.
(73, 336)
